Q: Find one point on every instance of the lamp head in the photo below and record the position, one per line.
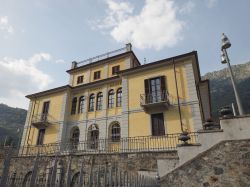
(225, 43)
(223, 58)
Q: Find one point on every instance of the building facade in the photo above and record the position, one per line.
(113, 97)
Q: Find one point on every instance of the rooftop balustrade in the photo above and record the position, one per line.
(127, 48)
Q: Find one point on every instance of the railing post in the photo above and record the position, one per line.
(98, 177)
(6, 167)
(54, 172)
(34, 172)
(81, 175)
(110, 176)
(105, 174)
(68, 180)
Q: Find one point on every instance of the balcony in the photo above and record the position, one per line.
(41, 121)
(155, 101)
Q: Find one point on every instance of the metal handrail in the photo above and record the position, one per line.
(157, 97)
(125, 145)
(103, 56)
(41, 118)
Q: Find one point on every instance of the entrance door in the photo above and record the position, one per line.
(157, 121)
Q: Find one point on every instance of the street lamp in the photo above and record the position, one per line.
(224, 59)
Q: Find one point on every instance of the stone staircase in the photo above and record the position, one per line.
(234, 129)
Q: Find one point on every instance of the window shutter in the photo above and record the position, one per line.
(146, 86)
(161, 126)
(163, 83)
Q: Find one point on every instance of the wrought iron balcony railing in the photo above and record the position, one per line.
(155, 99)
(125, 145)
(41, 120)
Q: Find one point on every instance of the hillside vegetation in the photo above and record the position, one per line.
(222, 91)
(11, 121)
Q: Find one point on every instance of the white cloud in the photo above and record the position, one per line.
(19, 77)
(211, 3)
(155, 26)
(5, 26)
(187, 7)
(60, 61)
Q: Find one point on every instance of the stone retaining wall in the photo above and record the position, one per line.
(226, 164)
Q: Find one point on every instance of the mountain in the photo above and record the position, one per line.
(221, 89)
(11, 122)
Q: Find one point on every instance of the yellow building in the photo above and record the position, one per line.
(113, 98)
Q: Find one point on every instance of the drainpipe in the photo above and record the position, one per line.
(177, 93)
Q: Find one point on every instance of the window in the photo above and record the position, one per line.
(97, 75)
(93, 136)
(81, 104)
(157, 122)
(115, 69)
(91, 102)
(75, 134)
(115, 132)
(119, 97)
(155, 89)
(45, 111)
(75, 180)
(40, 137)
(111, 99)
(73, 108)
(80, 79)
(99, 101)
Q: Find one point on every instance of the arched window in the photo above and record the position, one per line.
(27, 178)
(75, 180)
(99, 99)
(91, 102)
(115, 131)
(75, 134)
(81, 104)
(93, 136)
(74, 138)
(111, 98)
(119, 97)
(73, 108)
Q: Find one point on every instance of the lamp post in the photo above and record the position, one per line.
(225, 60)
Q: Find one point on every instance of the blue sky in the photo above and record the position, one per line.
(40, 38)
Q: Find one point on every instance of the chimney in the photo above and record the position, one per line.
(74, 65)
(128, 47)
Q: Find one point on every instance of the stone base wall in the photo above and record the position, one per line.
(138, 163)
(226, 164)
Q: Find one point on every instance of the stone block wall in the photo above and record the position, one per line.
(143, 162)
(226, 164)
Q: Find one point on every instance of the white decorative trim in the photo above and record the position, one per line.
(26, 125)
(125, 108)
(105, 71)
(63, 126)
(192, 92)
(128, 63)
(87, 77)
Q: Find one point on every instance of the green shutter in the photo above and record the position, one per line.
(146, 86)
